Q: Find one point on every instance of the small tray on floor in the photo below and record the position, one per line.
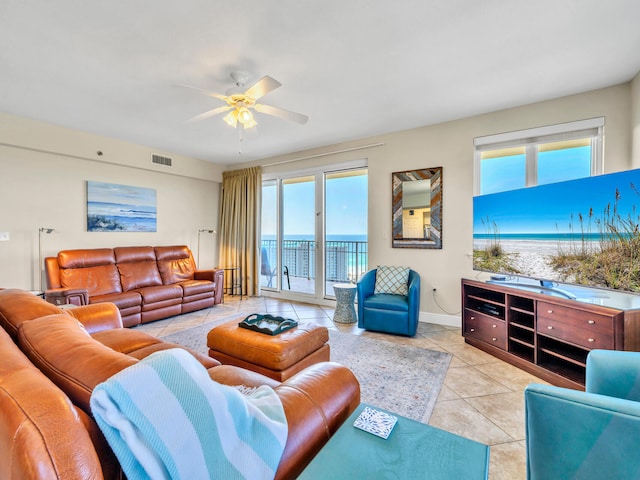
(267, 324)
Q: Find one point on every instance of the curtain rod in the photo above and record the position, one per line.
(361, 147)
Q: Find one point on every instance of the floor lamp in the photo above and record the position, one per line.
(40, 259)
(202, 230)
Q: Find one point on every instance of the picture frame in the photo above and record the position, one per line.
(416, 217)
(120, 208)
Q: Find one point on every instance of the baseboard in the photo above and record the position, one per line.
(441, 319)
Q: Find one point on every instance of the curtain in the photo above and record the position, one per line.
(239, 227)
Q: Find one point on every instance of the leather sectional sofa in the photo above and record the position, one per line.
(145, 283)
(53, 358)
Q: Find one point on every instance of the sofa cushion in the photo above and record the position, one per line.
(41, 435)
(137, 267)
(393, 280)
(122, 300)
(17, 306)
(172, 252)
(90, 269)
(134, 254)
(138, 275)
(196, 287)
(63, 350)
(175, 264)
(140, 344)
(161, 294)
(83, 258)
(96, 280)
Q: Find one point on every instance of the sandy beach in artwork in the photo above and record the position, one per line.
(532, 258)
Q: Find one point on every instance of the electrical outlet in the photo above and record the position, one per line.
(4, 236)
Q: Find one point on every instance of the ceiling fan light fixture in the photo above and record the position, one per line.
(250, 124)
(231, 118)
(239, 105)
(245, 116)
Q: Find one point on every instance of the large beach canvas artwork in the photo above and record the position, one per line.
(120, 208)
(584, 231)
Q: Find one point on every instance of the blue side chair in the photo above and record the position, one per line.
(389, 313)
(593, 434)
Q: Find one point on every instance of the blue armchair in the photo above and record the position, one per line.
(384, 312)
(593, 434)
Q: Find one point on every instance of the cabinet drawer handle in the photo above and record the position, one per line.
(549, 311)
(494, 338)
(591, 322)
(494, 326)
(472, 329)
(472, 318)
(591, 340)
(550, 327)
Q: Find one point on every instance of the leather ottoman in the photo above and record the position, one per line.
(278, 356)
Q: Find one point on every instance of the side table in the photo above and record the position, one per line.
(345, 296)
(232, 280)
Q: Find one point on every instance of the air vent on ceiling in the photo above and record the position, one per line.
(160, 160)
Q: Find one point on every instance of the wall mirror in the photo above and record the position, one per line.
(417, 208)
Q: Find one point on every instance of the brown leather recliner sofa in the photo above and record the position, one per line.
(145, 283)
(52, 359)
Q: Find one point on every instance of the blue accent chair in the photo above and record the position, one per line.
(593, 434)
(384, 312)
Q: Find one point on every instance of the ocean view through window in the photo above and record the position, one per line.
(314, 231)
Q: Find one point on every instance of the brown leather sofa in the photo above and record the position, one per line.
(145, 283)
(52, 359)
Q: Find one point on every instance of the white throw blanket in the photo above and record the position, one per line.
(166, 419)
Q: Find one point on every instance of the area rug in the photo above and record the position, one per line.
(400, 378)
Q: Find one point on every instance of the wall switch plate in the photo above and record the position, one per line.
(4, 236)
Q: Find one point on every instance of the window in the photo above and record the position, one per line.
(538, 156)
(314, 229)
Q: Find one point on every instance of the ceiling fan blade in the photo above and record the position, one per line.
(210, 113)
(204, 92)
(263, 86)
(281, 113)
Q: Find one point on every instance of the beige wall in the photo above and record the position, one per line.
(450, 145)
(42, 189)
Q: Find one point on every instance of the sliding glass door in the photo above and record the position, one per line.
(269, 240)
(298, 246)
(345, 239)
(314, 231)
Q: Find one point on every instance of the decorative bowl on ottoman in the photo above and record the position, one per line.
(267, 324)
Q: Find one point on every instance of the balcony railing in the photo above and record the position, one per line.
(345, 261)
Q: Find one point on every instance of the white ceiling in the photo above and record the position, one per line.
(357, 68)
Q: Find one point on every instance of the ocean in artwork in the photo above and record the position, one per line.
(584, 231)
(120, 208)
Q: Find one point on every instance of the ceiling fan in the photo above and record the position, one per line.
(240, 105)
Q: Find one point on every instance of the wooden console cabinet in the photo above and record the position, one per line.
(545, 334)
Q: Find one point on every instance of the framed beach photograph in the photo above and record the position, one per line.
(120, 208)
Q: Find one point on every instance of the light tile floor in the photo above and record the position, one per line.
(482, 396)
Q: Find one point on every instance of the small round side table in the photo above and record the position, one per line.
(345, 296)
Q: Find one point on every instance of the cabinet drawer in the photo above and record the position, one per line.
(577, 318)
(486, 328)
(587, 337)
